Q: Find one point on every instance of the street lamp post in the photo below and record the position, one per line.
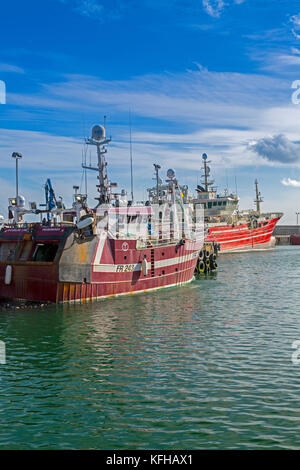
(297, 214)
(17, 156)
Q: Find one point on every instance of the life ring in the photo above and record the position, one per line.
(201, 267)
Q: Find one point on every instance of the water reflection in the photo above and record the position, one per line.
(206, 365)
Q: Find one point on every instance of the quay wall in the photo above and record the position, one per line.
(284, 234)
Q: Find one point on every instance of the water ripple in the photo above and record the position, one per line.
(204, 366)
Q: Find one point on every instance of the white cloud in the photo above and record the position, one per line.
(297, 36)
(44, 155)
(213, 7)
(187, 114)
(290, 182)
(89, 7)
(39, 149)
(10, 68)
(96, 9)
(295, 20)
(288, 59)
(282, 62)
(294, 50)
(199, 96)
(226, 111)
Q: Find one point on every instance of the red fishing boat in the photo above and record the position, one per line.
(232, 229)
(118, 247)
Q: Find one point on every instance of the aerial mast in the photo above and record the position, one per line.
(258, 199)
(131, 168)
(100, 141)
(157, 168)
(206, 169)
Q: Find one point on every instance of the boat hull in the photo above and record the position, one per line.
(99, 268)
(241, 238)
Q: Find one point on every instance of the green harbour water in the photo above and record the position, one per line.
(205, 366)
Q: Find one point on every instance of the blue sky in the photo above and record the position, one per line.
(199, 76)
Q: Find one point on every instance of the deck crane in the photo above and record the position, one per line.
(51, 201)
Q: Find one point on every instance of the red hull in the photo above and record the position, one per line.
(241, 238)
(103, 268)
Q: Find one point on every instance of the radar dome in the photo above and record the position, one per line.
(98, 132)
(170, 173)
(204, 156)
(21, 201)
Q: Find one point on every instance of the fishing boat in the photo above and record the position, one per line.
(232, 229)
(81, 253)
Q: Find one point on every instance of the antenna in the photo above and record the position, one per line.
(157, 168)
(206, 169)
(85, 172)
(258, 199)
(130, 143)
(227, 189)
(85, 180)
(100, 140)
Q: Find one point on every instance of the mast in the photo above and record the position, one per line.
(207, 183)
(258, 199)
(100, 141)
(157, 168)
(131, 169)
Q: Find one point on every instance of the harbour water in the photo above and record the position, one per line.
(208, 365)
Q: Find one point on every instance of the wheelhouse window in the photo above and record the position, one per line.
(45, 252)
(8, 251)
